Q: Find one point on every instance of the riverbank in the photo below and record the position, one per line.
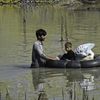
(77, 5)
(69, 4)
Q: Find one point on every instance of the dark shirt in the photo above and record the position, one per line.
(70, 55)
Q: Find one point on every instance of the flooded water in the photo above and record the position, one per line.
(17, 35)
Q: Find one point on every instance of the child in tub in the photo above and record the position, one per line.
(69, 54)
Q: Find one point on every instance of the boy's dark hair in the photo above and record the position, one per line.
(40, 32)
(68, 44)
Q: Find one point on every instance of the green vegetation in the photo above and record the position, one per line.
(4, 2)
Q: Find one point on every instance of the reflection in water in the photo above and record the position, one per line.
(24, 24)
(63, 83)
(88, 83)
(83, 27)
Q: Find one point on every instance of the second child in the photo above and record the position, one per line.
(69, 54)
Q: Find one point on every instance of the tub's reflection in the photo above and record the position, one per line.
(65, 83)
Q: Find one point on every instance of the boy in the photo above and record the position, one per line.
(38, 56)
(70, 55)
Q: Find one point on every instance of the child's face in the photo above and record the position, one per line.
(68, 48)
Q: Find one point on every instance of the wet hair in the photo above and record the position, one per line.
(68, 44)
(41, 32)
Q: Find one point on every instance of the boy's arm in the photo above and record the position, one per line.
(42, 54)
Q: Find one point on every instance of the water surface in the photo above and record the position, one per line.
(17, 35)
